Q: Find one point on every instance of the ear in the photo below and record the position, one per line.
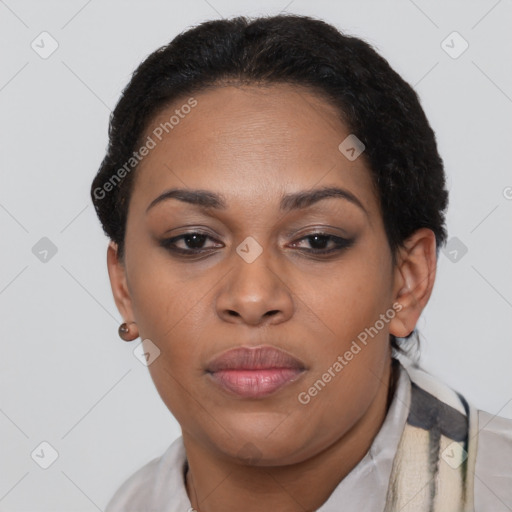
(414, 277)
(119, 283)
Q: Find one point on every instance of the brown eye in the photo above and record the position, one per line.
(319, 243)
(192, 243)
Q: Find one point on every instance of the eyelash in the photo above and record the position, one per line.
(341, 244)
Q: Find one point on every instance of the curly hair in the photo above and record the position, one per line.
(373, 101)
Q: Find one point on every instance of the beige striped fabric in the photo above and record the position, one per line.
(433, 470)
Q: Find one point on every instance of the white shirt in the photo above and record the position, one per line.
(159, 486)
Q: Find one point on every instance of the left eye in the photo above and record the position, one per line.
(319, 242)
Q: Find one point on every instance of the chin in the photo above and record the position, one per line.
(263, 442)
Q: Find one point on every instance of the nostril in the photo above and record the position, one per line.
(271, 313)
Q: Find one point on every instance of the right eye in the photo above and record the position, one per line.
(192, 244)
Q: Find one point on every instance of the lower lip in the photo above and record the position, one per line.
(255, 383)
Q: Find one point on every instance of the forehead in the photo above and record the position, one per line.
(251, 143)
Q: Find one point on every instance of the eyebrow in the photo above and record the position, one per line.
(289, 202)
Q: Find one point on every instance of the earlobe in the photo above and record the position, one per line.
(118, 282)
(415, 273)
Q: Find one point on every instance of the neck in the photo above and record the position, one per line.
(215, 485)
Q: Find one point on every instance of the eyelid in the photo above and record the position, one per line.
(321, 229)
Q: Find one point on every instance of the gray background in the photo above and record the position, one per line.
(66, 378)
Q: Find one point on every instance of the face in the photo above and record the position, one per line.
(276, 240)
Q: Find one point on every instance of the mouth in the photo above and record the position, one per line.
(254, 372)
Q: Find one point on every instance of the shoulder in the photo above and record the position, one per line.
(144, 488)
(493, 471)
(491, 436)
(495, 432)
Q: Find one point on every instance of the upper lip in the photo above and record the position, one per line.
(253, 358)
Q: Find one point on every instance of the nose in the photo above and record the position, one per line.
(254, 294)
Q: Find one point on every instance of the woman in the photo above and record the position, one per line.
(275, 205)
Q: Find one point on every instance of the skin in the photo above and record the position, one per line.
(252, 145)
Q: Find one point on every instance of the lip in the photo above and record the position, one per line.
(254, 372)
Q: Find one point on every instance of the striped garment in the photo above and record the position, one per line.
(434, 467)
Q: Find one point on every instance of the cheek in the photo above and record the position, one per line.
(334, 407)
(164, 296)
(352, 298)
(340, 390)
(347, 298)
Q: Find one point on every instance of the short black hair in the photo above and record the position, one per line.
(375, 103)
